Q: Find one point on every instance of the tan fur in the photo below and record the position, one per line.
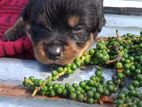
(71, 51)
(73, 21)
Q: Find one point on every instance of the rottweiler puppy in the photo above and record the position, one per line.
(60, 30)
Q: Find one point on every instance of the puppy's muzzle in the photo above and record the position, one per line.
(54, 52)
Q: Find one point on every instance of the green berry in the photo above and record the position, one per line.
(95, 61)
(119, 65)
(71, 89)
(133, 93)
(55, 86)
(52, 93)
(135, 83)
(59, 91)
(90, 94)
(87, 88)
(131, 58)
(139, 103)
(138, 71)
(90, 101)
(100, 90)
(127, 72)
(139, 77)
(109, 82)
(79, 89)
(93, 89)
(122, 95)
(73, 96)
(120, 75)
(106, 92)
(131, 87)
(91, 83)
(32, 78)
(44, 89)
(98, 73)
(75, 85)
(141, 33)
(132, 68)
(140, 83)
(117, 82)
(127, 61)
(132, 105)
(82, 84)
(91, 52)
(87, 61)
(54, 73)
(65, 92)
(73, 66)
(106, 57)
(78, 63)
(54, 78)
(69, 71)
(97, 95)
(127, 66)
(119, 102)
(80, 97)
(111, 88)
(67, 85)
(40, 82)
(60, 69)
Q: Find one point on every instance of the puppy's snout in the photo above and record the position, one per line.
(54, 52)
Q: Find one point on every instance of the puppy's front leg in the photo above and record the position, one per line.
(16, 31)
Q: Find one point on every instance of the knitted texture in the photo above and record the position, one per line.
(9, 12)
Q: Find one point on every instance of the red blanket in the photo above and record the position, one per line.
(9, 12)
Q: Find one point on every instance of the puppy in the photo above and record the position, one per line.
(60, 30)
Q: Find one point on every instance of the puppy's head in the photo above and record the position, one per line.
(61, 30)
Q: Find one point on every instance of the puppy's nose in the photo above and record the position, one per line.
(54, 52)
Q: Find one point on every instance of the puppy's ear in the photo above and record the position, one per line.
(27, 12)
(101, 17)
(101, 23)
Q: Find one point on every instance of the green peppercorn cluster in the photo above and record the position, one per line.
(122, 53)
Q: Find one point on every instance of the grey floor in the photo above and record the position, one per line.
(12, 71)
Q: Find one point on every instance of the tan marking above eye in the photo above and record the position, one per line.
(73, 21)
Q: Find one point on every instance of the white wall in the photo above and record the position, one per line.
(123, 3)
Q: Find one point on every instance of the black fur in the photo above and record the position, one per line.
(53, 25)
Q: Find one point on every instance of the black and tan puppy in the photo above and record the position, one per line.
(60, 30)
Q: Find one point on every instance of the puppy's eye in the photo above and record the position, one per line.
(78, 29)
(44, 27)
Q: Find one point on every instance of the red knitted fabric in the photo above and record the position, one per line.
(9, 12)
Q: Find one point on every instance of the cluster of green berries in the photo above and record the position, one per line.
(129, 98)
(101, 55)
(89, 91)
(121, 53)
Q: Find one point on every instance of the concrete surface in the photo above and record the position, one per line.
(12, 71)
(122, 23)
(28, 102)
(123, 7)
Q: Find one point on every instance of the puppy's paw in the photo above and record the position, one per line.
(13, 34)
